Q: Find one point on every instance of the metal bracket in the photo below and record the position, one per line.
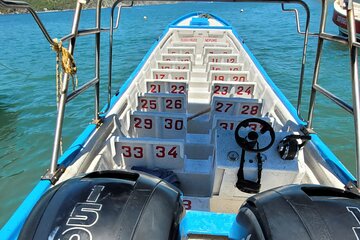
(53, 178)
(307, 131)
(351, 187)
(98, 122)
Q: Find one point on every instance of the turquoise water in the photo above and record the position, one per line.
(27, 80)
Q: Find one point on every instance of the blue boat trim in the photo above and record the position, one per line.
(193, 14)
(338, 167)
(209, 223)
(69, 155)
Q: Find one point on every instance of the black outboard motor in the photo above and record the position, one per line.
(107, 205)
(299, 212)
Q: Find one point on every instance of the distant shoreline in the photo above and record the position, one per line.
(48, 9)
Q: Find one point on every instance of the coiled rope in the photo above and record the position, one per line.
(67, 66)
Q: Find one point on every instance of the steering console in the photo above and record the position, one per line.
(250, 143)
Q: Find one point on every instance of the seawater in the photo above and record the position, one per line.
(27, 78)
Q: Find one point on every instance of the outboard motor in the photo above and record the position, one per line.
(299, 212)
(107, 205)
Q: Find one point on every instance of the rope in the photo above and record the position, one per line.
(67, 66)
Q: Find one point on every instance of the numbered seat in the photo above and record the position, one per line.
(173, 65)
(229, 123)
(150, 153)
(222, 58)
(177, 57)
(216, 50)
(167, 86)
(158, 125)
(224, 66)
(236, 106)
(181, 50)
(233, 89)
(162, 102)
(174, 74)
(236, 76)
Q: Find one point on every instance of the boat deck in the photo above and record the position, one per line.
(181, 114)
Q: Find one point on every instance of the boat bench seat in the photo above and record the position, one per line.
(216, 50)
(177, 57)
(149, 152)
(200, 45)
(195, 173)
(175, 74)
(237, 76)
(158, 125)
(173, 65)
(225, 66)
(162, 102)
(222, 58)
(229, 123)
(181, 50)
(236, 106)
(233, 89)
(166, 86)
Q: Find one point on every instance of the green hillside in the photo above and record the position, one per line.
(41, 5)
(48, 5)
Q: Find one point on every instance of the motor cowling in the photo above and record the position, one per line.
(299, 212)
(107, 205)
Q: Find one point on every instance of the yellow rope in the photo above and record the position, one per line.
(68, 66)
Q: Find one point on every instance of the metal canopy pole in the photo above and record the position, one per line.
(63, 95)
(355, 81)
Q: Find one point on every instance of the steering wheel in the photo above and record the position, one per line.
(249, 142)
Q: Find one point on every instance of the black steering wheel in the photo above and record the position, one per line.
(250, 141)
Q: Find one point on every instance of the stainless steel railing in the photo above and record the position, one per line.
(95, 82)
(353, 52)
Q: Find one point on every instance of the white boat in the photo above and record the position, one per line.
(198, 130)
(340, 16)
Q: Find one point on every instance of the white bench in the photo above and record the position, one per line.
(236, 106)
(229, 123)
(217, 50)
(177, 57)
(181, 50)
(233, 89)
(174, 74)
(150, 153)
(225, 66)
(236, 76)
(222, 58)
(158, 125)
(167, 86)
(162, 102)
(173, 65)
